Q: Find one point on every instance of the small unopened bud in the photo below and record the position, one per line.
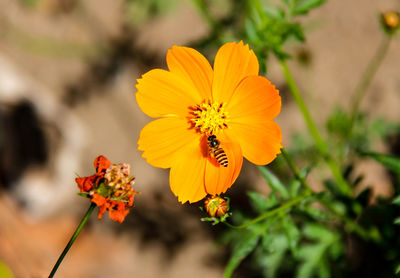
(390, 20)
(216, 206)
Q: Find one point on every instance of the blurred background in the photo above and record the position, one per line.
(68, 70)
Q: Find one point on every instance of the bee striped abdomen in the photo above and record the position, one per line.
(221, 157)
(217, 151)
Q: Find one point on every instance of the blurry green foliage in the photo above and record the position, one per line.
(30, 3)
(266, 25)
(139, 11)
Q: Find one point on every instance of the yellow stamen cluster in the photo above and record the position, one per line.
(209, 117)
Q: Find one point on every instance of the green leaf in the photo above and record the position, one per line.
(83, 194)
(317, 232)
(396, 201)
(397, 271)
(258, 202)
(304, 6)
(275, 254)
(389, 161)
(292, 233)
(315, 255)
(273, 181)
(240, 252)
(317, 214)
(397, 221)
(295, 185)
(251, 32)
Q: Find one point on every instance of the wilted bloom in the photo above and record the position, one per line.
(110, 188)
(216, 206)
(209, 118)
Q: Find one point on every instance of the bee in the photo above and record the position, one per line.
(217, 151)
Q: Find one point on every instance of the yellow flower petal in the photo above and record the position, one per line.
(255, 99)
(162, 93)
(260, 142)
(162, 139)
(233, 62)
(217, 178)
(187, 173)
(190, 65)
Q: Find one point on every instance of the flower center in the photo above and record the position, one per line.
(209, 117)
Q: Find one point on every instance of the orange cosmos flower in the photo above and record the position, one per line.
(110, 188)
(209, 118)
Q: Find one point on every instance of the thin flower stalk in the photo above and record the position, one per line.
(296, 171)
(74, 236)
(319, 142)
(367, 77)
(285, 206)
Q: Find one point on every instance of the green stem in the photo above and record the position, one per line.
(296, 171)
(319, 142)
(367, 77)
(273, 212)
(349, 223)
(71, 241)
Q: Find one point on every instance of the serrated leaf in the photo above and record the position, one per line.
(389, 161)
(240, 252)
(304, 6)
(273, 181)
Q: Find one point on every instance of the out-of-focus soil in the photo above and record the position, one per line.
(70, 53)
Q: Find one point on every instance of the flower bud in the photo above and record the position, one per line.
(390, 21)
(216, 206)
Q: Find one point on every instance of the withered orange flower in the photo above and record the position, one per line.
(110, 188)
(209, 118)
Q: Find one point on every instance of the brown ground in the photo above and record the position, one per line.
(160, 238)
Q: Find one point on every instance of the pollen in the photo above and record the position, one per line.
(209, 117)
